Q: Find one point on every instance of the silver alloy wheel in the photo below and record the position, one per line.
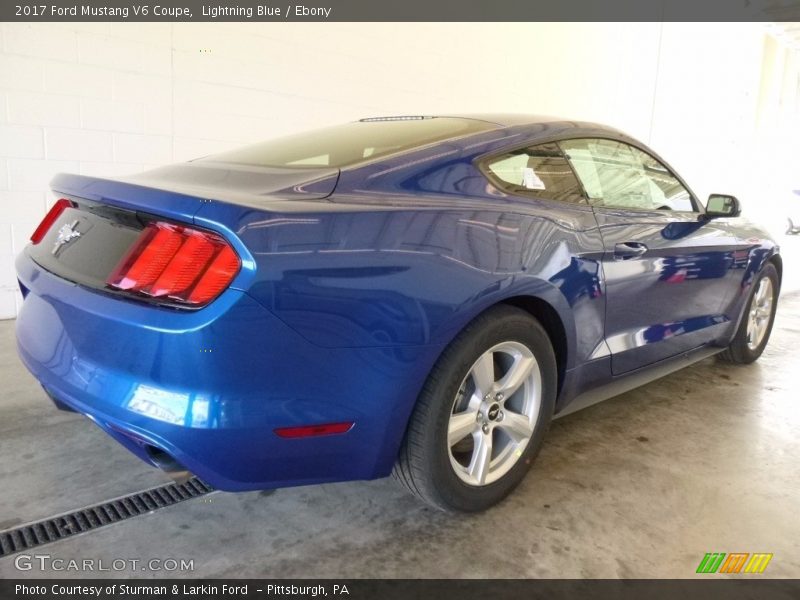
(760, 313)
(494, 413)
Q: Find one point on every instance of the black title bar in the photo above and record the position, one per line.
(402, 589)
(402, 10)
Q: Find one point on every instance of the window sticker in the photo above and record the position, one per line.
(531, 180)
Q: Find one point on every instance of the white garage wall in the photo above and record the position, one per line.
(116, 98)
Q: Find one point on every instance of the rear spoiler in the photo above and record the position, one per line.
(179, 190)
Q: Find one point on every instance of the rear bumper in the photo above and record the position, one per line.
(209, 387)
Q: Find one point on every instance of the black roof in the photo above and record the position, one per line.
(509, 120)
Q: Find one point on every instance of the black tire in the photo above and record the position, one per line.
(739, 351)
(424, 463)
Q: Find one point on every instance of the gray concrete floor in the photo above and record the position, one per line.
(642, 485)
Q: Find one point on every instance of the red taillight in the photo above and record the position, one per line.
(217, 276)
(50, 218)
(176, 263)
(186, 265)
(314, 430)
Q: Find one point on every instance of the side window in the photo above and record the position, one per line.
(541, 171)
(621, 176)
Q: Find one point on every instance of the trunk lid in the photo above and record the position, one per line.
(90, 238)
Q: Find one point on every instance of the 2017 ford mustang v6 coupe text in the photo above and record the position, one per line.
(417, 295)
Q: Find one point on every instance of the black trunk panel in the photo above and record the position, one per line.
(104, 235)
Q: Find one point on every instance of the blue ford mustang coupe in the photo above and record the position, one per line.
(416, 295)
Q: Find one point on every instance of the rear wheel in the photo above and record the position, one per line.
(753, 334)
(482, 414)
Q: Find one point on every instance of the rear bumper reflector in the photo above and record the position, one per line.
(314, 430)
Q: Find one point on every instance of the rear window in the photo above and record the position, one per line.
(352, 143)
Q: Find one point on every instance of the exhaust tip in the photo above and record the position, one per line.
(58, 403)
(167, 463)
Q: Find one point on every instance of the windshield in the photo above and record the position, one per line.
(352, 143)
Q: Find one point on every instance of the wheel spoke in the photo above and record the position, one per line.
(481, 458)
(517, 426)
(483, 373)
(461, 425)
(760, 313)
(761, 291)
(516, 376)
(761, 329)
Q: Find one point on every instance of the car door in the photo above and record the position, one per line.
(667, 273)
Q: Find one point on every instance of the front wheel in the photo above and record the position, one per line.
(753, 334)
(482, 414)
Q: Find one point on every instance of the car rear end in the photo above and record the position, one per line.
(143, 310)
(139, 319)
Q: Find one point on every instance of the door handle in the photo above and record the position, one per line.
(626, 250)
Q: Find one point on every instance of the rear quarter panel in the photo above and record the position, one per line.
(414, 271)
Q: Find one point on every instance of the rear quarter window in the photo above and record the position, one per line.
(539, 171)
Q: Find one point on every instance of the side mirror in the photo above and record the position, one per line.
(722, 205)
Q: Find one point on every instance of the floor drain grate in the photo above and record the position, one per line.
(86, 519)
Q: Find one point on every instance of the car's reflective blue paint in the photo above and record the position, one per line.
(346, 300)
(672, 298)
(210, 386)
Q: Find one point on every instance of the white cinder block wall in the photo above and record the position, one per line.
(116, 98)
